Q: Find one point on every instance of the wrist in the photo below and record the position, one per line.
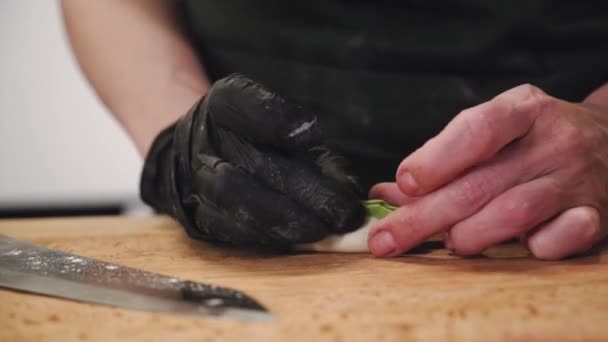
(155, 106)
(160, 114)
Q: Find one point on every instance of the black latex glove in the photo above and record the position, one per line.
(246, 167)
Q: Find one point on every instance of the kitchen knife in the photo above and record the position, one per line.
(31, 268)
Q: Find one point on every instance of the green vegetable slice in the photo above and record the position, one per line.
(378, 208)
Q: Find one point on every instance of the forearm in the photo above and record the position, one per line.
(139, 62)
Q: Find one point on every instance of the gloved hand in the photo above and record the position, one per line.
(246, 167)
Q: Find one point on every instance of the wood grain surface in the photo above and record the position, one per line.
(425, 295)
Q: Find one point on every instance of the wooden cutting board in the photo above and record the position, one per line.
(427, 295)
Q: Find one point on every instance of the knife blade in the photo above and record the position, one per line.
(35, 269)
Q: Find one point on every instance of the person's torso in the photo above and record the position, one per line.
(385, 76)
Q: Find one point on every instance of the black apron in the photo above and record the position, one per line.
(385, 76)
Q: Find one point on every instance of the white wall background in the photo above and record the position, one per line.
(58, 144)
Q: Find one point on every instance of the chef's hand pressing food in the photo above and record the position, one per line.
(524, 164)
(246, 167)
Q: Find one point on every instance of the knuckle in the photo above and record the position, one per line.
(406, 227)
(472, 192)
(571, 133)
(227, 86)
(535, 93)
(480, 131)
(540, 101)
(532, 90)
(574, 140)
(409, 220)
(520, 211)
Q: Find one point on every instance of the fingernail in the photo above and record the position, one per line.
(382, 244)
(407, 180)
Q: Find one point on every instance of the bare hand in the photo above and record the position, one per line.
(523, 165)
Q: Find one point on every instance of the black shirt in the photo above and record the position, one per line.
(385, 76)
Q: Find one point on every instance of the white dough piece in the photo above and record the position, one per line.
(353, 242)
